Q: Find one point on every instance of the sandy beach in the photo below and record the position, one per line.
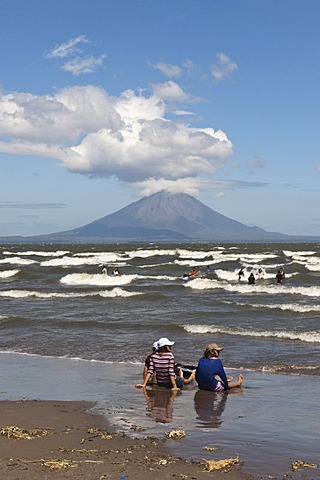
(74, 444)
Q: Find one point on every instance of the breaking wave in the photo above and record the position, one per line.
(310, 337)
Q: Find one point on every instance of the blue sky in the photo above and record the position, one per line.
(105, 101)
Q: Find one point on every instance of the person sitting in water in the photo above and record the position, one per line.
(147, 363)
(162, 363)
(193, 272)
(116, 271)
(209, 367)
(251, 279)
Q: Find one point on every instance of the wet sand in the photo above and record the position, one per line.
(76, 444)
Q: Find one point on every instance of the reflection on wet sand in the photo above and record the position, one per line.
(160, 404)
(209, 407)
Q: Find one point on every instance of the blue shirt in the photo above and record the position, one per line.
(206, 372)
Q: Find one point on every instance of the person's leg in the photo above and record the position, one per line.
(179, 382)
(165, 384)
(238, 383)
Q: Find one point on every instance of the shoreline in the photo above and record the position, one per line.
(269, 424)
(80, 444)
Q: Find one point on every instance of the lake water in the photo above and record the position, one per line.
(57, 308)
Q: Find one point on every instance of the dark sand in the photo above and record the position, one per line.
(86, 455)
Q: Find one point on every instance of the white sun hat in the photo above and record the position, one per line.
(163, 341)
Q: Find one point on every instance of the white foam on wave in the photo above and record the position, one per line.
(150, 253)
(33, 293)
(195, 258)
(115, 292)
(259, 287)
(289, 253)
(118, 292)
(161, 277)
(9, 273)
(256, 257)
(106, 256)
(56, 253)
(194, 263)
(313, 268)
(17, 261)
(293, 307)
(98, 279)
(309, 337)
(193, 254)
(79, 261)
(153, 265)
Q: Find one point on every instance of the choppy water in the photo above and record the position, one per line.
(54, 301)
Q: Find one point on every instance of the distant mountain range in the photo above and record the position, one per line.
(166, 217)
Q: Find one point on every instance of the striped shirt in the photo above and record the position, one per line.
(163, 365)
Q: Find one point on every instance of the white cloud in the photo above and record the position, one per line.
(95, 134)
(223, 68)
(191, 185)
(171, 71)
(183, 112)
(56, 119)
(67, 48)
(182, 185)
(87, 64)
(169, 91)
(78, 62)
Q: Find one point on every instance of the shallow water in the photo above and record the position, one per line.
(267, 424)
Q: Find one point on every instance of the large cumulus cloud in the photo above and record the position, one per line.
(128, 136)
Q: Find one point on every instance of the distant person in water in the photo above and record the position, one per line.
(251, 279)
(280, 276)
(116, 271)
(104, 269)
(193, 272)
(240, 274)
(210, 367)
(260, 274)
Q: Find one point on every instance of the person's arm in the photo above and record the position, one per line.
(190, 379)
(145, 371)
(146, 380)
(173, 382)
(172, 373)
(148, 375)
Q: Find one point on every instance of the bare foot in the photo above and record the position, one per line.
(240, 379)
